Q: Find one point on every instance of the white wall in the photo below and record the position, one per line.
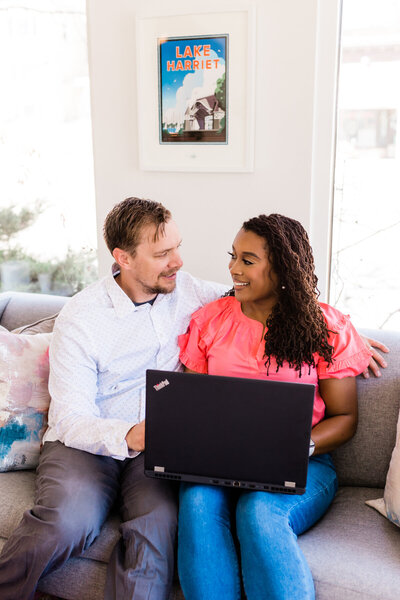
(210, 207)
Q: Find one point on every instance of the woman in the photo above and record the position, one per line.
(271, 325)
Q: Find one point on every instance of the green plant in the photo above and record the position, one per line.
(74, 272)
(38, 267)
(12, 222)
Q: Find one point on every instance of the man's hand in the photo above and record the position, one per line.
(135, 437)
(376, 359)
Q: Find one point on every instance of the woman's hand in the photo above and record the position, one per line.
(340, 422)
(376, 359)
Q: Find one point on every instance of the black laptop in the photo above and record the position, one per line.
(229, 431)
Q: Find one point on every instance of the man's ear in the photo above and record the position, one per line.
(121, 257)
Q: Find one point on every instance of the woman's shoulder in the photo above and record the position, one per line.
(216, 310)
(334, 318)
(350, 356)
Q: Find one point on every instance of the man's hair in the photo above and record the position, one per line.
(125, 222)
(296, 328)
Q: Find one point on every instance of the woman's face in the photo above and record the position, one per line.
(253, 277)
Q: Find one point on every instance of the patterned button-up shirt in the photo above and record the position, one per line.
(101, 347)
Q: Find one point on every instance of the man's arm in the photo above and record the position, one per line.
(376, 359)
(74, 416)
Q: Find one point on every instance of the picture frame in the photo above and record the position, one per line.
(192, 89)
(195, 88)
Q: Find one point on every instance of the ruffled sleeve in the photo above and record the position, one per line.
(193, 350)
(350, 356)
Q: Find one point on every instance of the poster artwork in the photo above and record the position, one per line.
(193, 90)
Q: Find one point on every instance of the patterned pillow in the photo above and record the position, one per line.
(24, 398)
(389, 505)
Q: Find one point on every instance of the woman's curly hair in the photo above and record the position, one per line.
(296, 328)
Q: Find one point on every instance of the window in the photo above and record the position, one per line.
(47, 211)
(365, 279)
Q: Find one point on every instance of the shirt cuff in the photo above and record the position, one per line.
(116, 442)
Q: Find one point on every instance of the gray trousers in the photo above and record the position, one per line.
(75, 491)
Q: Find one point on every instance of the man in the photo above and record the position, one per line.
(104, 340)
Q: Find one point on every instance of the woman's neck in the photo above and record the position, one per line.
(258, 311)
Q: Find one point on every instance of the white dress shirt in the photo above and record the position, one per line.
(101, 347)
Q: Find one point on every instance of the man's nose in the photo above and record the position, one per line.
(175, 260)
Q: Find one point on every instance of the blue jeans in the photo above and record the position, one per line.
(265, 530)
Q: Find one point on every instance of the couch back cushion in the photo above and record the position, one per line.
(364, 460)
(20, 308)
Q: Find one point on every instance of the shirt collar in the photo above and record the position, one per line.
(122, 304)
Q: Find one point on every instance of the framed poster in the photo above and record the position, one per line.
(195, 88)
(193, 76)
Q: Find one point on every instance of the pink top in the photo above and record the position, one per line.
(221, 340)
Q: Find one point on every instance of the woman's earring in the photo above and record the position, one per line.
(283, 287)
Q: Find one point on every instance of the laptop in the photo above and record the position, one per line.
(228, 431)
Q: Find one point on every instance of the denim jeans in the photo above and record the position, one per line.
(262, 538)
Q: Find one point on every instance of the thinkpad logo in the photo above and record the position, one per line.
(161, 385)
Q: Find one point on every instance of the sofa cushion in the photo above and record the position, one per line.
(17, 489)
(364, 460)
(353, 552)
(24, 398)
(19, 308)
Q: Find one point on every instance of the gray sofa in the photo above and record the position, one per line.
(354, 552)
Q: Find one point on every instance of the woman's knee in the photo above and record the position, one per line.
(258, 514)
(202, 501)
(203, 512)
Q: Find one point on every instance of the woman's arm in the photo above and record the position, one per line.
(340, 422)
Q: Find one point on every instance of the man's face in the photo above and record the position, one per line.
(152, 270)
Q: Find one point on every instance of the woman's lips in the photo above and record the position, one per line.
(239, 285)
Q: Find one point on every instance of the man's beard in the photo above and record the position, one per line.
(160, 289)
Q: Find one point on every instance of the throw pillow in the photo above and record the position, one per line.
(24, 398)
(45, 325)
(389, 505)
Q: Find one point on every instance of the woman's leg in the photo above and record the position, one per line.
(273, 565)
(207, 561)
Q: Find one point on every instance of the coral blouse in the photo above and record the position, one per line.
(221, 340)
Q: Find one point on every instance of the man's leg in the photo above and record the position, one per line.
(74, 493)
(142, 563)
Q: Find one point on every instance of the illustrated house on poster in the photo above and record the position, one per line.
(193, 90)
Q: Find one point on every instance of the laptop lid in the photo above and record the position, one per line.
(247, 433)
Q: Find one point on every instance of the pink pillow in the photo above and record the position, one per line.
(24, 398)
